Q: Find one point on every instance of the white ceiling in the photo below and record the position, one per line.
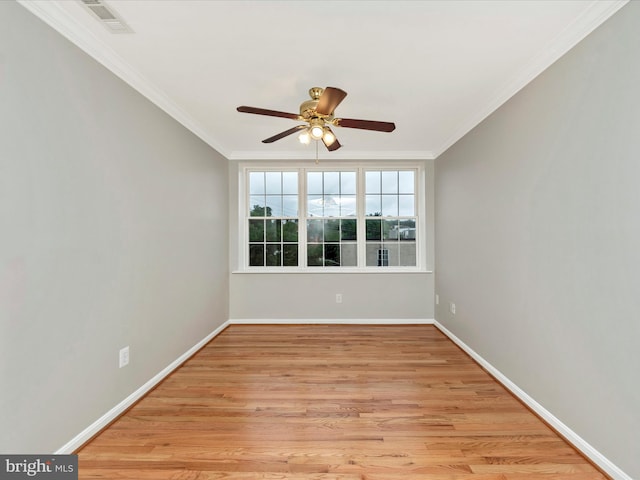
(435, 68)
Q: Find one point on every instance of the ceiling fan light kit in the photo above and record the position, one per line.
(316, 128)
(328, 137)
(318, 112)
(304, 138)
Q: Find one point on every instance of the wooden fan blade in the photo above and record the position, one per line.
(286, 133)
(365, 124)
(329, 100)
(269, 113)
(332, 146)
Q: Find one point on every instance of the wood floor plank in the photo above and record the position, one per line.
(339, 402)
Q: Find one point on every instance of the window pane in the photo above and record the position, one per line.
(257, 206)
(373, 206)
(374, 229)
(332, 230)
(314, 231)
(372, 182)
(408, 254)
(389, 182)
(273, 255)
(407, 230)
(256, 183)
(290, 206)
(274, 206)
(390, 230)
(331, 195)
(272, 230)
(377, 255)
(290, 255)
(390, 205)
(406, 182)
(290, 183)
(290, 231)
(314, 255)
(349, 230)
(314, 183)
(256, 255)
(332, 255)
(256, 230)
(315, 207)
(348, 206)
(393, 250)
(331, 183)
(274, 183)
(331, 206)
(372, 254)
(406, 205)
(349, 254)
(348, 183)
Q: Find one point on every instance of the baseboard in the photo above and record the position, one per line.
(120, 408)
(569, 435)
(331, 321)
(578, 442)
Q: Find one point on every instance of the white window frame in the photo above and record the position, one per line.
(302, 168)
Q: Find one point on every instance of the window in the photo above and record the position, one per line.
(273, 222)
(332, 218)
(390, 218)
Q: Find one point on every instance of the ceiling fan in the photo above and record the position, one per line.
(319, 115)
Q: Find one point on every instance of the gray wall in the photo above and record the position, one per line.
(538, 239)
(307, 296)
(112, 232)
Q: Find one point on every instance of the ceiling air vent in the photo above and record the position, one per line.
(107, 16)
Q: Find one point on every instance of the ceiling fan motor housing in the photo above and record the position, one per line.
(308, 107)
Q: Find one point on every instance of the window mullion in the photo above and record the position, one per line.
(302, 217)
(360, 209)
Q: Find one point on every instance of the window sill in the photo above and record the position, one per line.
(329, 270)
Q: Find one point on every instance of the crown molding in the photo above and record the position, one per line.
(591, 18)
(53, 15)
(310, 155)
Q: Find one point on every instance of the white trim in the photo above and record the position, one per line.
(329, 271)
(323, 157)
(84, 436)
(102, 422)
(360, 168)
(54, 16)
(572, 437)
(331, 321)
(591, 18)
(57, 18)
(578, 442)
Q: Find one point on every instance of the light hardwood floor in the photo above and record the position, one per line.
(319, 402)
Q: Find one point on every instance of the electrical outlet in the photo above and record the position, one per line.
(452, 308)
(338, 298)
(124, 356)
(437, 299)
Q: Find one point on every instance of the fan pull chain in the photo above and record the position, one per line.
(317, 152)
